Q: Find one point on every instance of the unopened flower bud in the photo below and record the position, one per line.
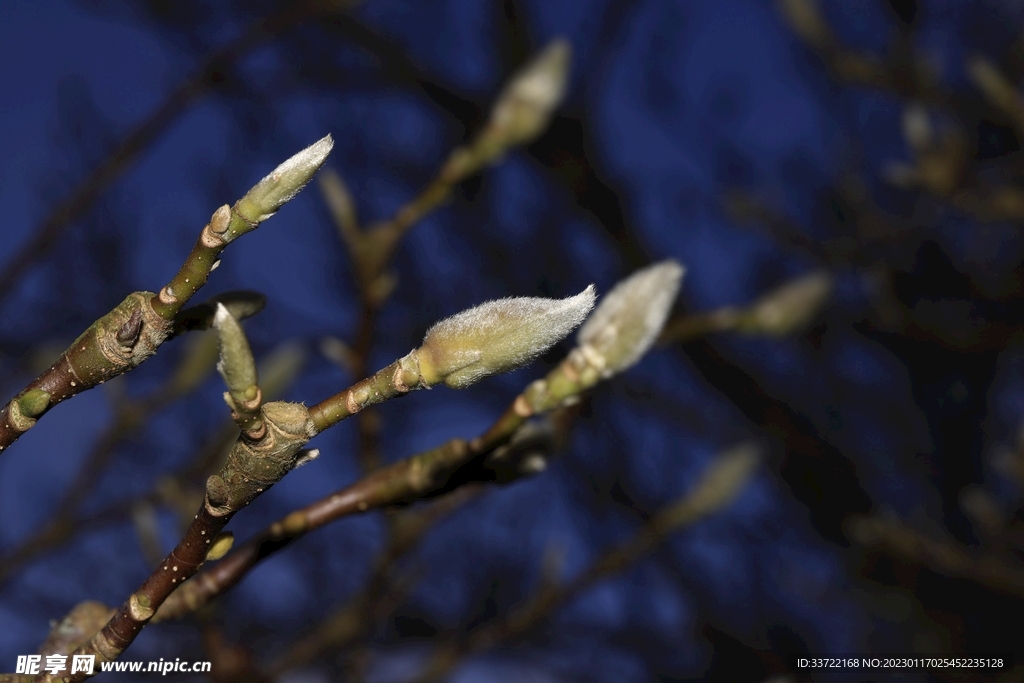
(525, 105)
(630, 317)
(284, 182)
(790, 307)
(236, 365)
(498, 336)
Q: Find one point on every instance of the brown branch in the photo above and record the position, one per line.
(122, 339)
(380, 596)
(718, 487)
(427, 474)
(945, 557)
(899, 72)
(253, 466)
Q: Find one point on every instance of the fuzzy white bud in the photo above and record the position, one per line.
(284, 182)
(630, 317)
(498, 336)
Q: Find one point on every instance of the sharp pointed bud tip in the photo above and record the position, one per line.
(307, 456)
(285, 181)
(221, 316)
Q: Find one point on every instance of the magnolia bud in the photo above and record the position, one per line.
(236, 366)
(284, 182)
(497, 336)
(525, 105)
(789, 308)
(630, 317)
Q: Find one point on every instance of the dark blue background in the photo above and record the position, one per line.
(673, 105)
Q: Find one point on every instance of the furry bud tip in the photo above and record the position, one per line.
(498, 336)
(284, 182)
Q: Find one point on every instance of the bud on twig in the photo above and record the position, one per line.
(220, 547)
(630, 318)
(342, 207)
(996, 88)
(789, 307)
(498, 336)
(238, 368)
(525, 105)
(719, 484)
(284, 182)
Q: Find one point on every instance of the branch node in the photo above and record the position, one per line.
(140, 607)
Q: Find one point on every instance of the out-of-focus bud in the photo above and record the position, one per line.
(283, 183)
(524, 107)
(197, 361)
(917, 127)
(342, 207)
(982, 510)
(338, 352)
(804, 16)
(279, 369)
(789, 308)
(630, 318)
(236, 366)
(718, 486)
(993, 84)
(497, 336)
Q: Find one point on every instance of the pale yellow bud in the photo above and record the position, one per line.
(789, 308)
(497, 336)
(630, 318)
(525, 106)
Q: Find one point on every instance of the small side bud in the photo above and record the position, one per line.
(525, 106)
(630, 318)
(220, 547)
(284, 182)
(236, 366)
(790, 307)
(498, 336)
(34, 402)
